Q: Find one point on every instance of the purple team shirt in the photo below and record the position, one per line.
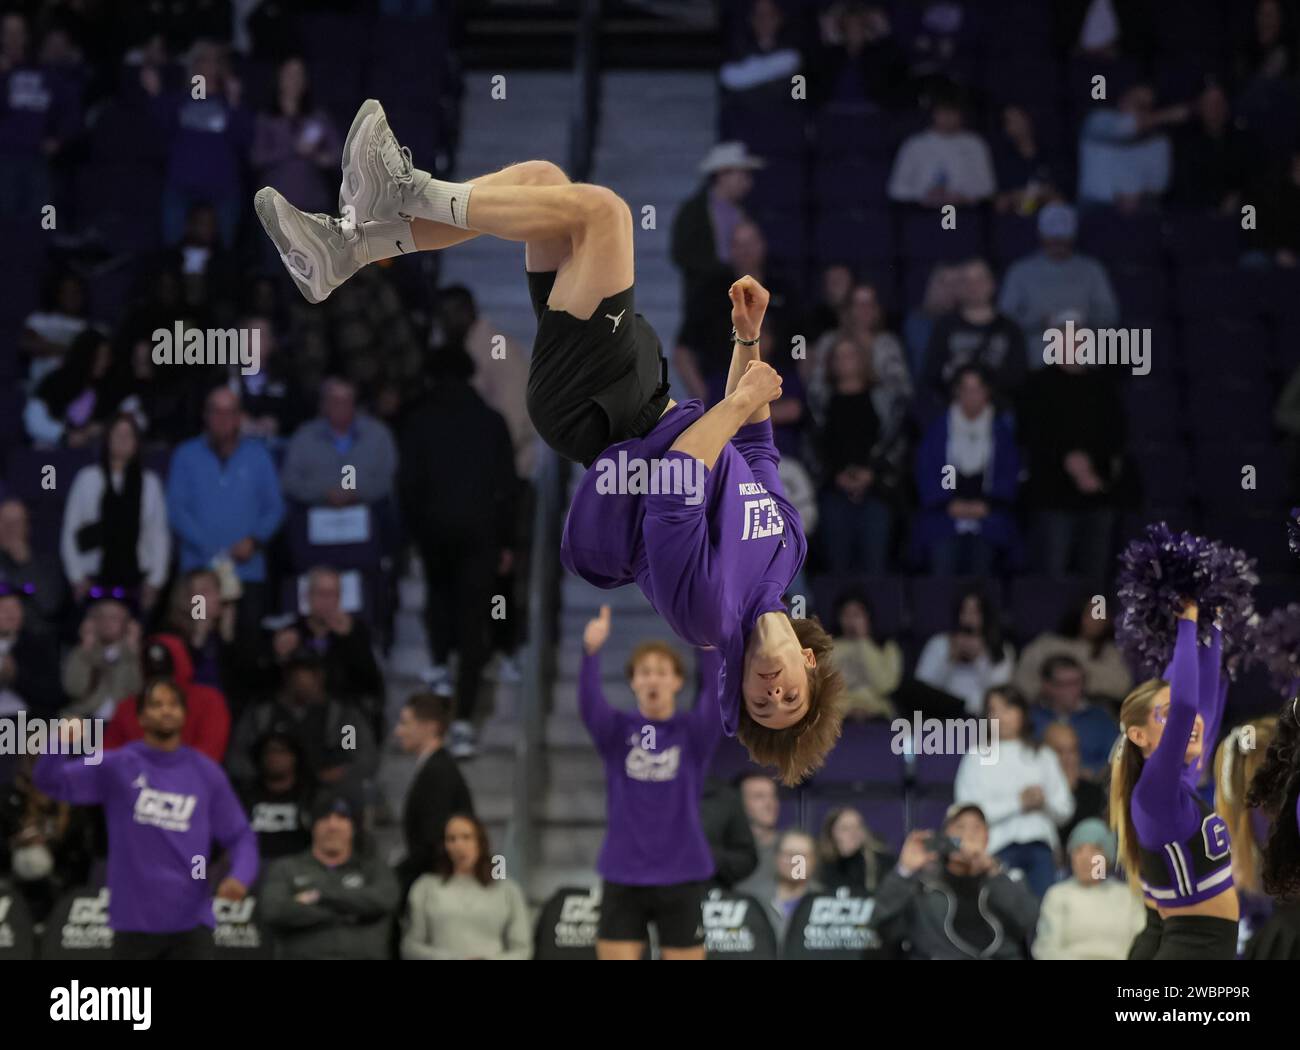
(164, 809)
(710, 567)
(654, 773)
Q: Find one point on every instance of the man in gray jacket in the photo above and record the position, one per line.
(330, 902)
(340, 437)
(948, 898)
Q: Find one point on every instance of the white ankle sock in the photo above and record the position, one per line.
(446, 202)
(386, 240)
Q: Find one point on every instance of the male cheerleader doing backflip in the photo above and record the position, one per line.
(1171, 841)
(715, 567)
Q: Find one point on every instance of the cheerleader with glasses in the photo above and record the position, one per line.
(1175, 847)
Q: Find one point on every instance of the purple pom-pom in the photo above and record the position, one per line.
(1277, 647)
(1293, 531)
(1159, 573)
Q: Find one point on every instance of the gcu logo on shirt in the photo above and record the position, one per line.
(164, 809)
(725, 914)
(651, 766)
(762, 519)
(272, 817)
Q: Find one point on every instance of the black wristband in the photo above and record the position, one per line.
(735, 338)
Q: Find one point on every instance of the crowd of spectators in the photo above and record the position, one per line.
(240, 531)
(937, 189)
(241, 534)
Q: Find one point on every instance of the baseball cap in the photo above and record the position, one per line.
(1058, 222)
(958, 808)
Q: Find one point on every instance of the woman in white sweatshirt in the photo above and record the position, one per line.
(1091, 915)
(464, 909)
(1022, 790)
(115, 533)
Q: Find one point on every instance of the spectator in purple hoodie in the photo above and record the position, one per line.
(39, 111)
(210, 135)
(165, 804)
(655, 861)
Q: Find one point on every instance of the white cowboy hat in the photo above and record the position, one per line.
(726, 155)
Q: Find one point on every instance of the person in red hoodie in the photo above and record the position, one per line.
(207, 722)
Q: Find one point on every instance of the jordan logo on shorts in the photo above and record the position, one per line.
(618, 318)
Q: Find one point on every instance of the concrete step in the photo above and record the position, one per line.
(573, 847)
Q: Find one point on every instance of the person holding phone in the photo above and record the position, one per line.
(949, 898)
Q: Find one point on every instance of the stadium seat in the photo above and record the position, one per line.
(1165, 472)
(782, 185)
(863, 757)
(1199, 239)
(853, 237)
(850, 184)
(1041, 603)
(933, 599)
(1012, 237)
(1219, 291)
(884, 592)
(1119, 239)
(923, 238)
(850, 135)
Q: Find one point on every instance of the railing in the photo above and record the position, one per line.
(530, 774)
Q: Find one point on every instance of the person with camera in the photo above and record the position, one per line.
(949, 898)
(105, 665)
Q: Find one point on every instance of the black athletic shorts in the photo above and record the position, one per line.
(168, 947)
(596, 382)
(1185, 937)
(677, 912)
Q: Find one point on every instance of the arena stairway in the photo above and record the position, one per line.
(532, 122)
(649, 144)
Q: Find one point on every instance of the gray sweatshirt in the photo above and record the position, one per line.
(463, 919)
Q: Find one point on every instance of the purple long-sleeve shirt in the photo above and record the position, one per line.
(710, 566)
(164, 809)
(654, 773)
(1167, 811)
(209, 142)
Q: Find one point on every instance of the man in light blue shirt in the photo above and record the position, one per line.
(1124, 160)
(223, 495)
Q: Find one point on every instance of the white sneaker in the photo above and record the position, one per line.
(319, 251)
(462, 744)
(378, 174)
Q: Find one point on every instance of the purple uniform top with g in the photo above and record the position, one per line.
(1186, 854)
(654, 774)
(710, 566)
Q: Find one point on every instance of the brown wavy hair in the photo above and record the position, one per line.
(1125, 768)
(799, 750)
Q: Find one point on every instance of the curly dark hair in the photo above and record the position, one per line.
(1274, 790)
